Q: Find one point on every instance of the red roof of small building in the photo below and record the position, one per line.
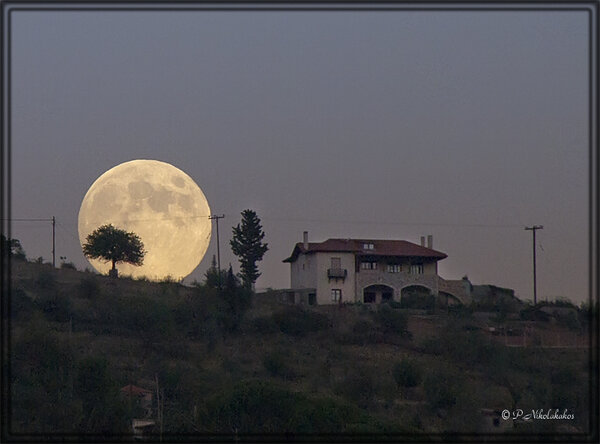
(380, 248)
(131, 389)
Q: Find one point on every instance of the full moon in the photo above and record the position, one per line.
(159, 203)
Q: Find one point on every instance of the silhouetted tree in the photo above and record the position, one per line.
(247, 245)
(211, 277)
(12, 247)
(237, 298)
(115, 245)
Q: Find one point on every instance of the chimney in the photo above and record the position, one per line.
(305, 240)
(422, 241)
(429, 241)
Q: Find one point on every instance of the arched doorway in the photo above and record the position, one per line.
(418, 297)
(376, 294)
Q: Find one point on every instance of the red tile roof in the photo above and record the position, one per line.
(381, 248)
(135, 390)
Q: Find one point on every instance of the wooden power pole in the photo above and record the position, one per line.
(216, 219)
(533, 229)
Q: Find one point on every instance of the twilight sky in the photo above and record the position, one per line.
(383, 125)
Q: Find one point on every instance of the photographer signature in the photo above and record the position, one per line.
(540, 414)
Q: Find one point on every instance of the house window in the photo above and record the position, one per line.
(336, 294)
(416, 269)
(336, 263)
(368, 246)
(369, 265)
(394, 268)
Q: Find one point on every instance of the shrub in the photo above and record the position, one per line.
(391, 321)
(253, 407)
(88, 287)
(237, 300)
(563, 375)
(571, 321)
(394, 304)
(68, 266)
(363, 332)
(276, 364)
(262, 407)
(295, 321)
(46, 280)
(95, 386)
(21, 305)
(358, 386)
(418, 300)
(433, 346)
(264, 325)
(442, 388)
(56, 306)
(407, 373)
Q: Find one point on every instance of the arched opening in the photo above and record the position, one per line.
(376, 294)
(446, 299)
(418, 297)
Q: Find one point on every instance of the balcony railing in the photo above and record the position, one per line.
(337, 273)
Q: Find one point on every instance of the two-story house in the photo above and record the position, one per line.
(363, 270)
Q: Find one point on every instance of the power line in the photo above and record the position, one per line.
(379, 222)
(29, 220)
(153, 219)
(321, 220)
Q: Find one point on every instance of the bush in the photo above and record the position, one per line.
(571, 321)
(40, 372)
(254, 407)
(56, 306)
(262, 407)
(407, 374)
(264, 325)
(394, 304)
(46, 280)
(363, 332)
(276, 364)
(442, 388)
(432, 346)
(418, 300)
(88, 287)
(21, 305)
(68, 266)
(563, 375)
(95, 386)
(295, 321)
(391, 321)
(358, 386)
(237, 300)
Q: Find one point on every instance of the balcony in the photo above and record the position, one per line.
(337, 273)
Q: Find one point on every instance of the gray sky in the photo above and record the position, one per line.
(464, 125)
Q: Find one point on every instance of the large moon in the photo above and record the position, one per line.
(159, 203)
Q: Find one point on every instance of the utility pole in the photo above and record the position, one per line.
(533, 229)
(53, 242)
(216, 218)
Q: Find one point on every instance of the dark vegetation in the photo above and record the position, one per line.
(231, 362)
(247, 244)
(114, 245)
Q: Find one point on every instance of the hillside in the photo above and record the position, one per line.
(77, 338)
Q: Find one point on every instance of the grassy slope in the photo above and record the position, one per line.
(341, 371)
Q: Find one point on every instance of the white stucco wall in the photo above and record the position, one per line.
(325, 285)
(304, 271)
